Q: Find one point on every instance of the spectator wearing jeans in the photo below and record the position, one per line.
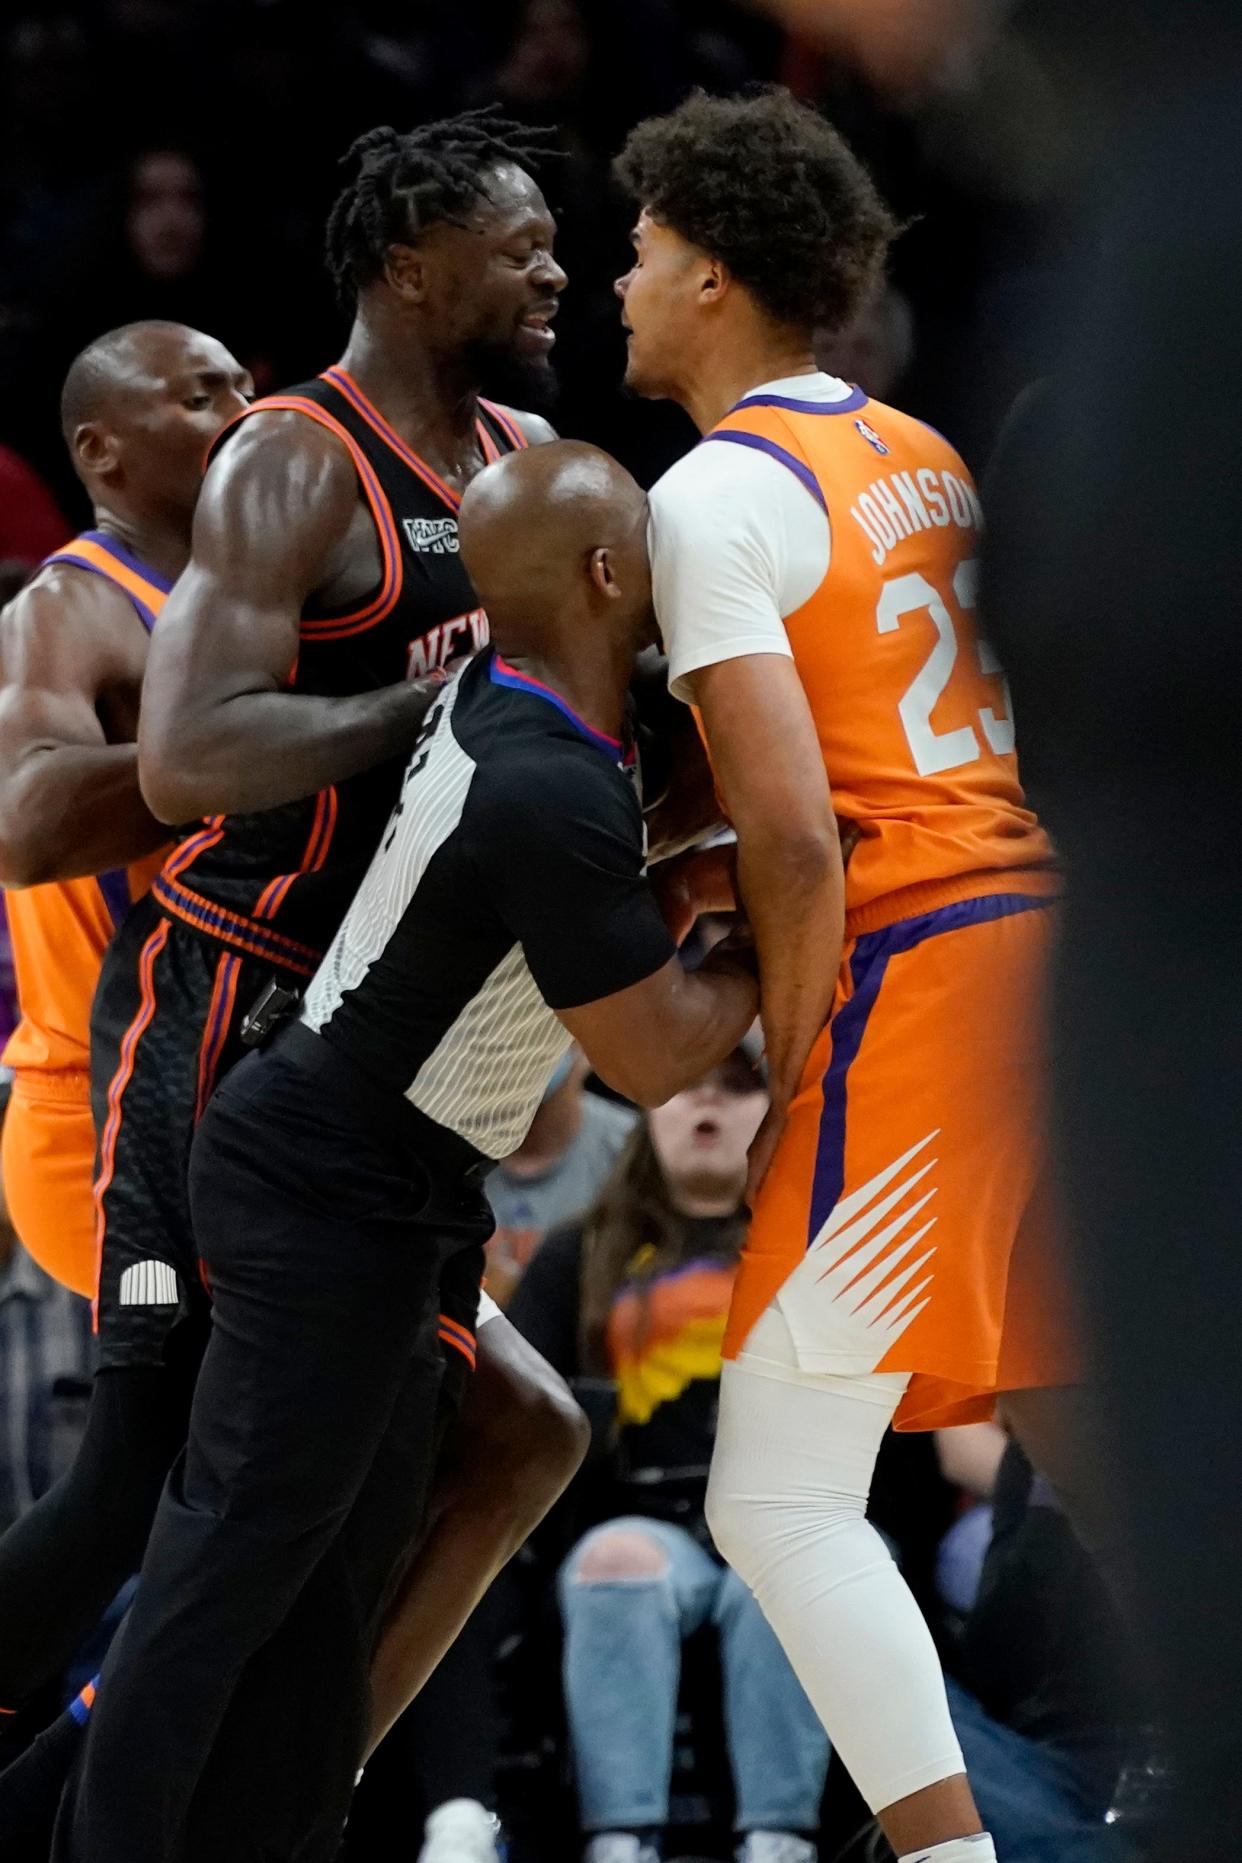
(631, 1304)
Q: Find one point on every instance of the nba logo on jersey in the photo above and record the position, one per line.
(870, 435)
(434, 536)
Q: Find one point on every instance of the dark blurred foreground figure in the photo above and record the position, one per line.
(1037, 1688)
(1112, 594)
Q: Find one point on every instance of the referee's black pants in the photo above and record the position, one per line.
(232, 1709)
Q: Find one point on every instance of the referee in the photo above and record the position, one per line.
(336, 1178)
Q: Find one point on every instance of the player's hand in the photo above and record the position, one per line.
(440, 675)
(673, 893)
(701, 880)
(763, 1149)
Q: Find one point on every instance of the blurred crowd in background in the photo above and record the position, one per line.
(174, 158)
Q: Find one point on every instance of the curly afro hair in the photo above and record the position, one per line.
(769, 188)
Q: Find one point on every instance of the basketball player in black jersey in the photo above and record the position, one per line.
(324, 571)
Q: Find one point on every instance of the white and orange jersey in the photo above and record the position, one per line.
(816, 523)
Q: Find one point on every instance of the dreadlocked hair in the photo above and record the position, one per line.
(403, 184)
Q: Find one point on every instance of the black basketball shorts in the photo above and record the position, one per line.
(165, 1027)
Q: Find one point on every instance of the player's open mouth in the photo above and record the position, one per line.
(537, 326)
(706, 1131)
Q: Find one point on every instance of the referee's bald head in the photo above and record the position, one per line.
(553, 537)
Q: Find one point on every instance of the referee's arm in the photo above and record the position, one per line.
(560, 846)
(658, 1037)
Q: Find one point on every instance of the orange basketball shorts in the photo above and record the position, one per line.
(904, 1225)
(49, 1168)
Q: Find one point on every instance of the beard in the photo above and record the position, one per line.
(524, 382)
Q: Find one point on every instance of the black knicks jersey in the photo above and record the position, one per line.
(274, 885)
(508, 883)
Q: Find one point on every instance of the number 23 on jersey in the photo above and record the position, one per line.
(902, 599)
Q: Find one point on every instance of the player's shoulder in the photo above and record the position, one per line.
(69, 629)
(270, 433)
(276, 470)
(535, 430)
(65, 595)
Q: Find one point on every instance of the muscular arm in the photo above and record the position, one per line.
(658, 1037)
(219, 732)
(770, 772)
(71, 662)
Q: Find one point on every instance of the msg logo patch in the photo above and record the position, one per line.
(432, 536)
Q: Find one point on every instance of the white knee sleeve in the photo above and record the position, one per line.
(787, 1507)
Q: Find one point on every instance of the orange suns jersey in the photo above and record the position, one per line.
(61, 930)
(909, 700)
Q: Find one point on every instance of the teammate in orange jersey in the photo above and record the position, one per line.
(814, 573)
(140, 408)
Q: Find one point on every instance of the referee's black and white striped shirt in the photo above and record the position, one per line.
(508, 884)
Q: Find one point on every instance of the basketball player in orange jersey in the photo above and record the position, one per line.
(814, 574)
(78, 845)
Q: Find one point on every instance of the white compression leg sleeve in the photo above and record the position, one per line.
(790, 1478)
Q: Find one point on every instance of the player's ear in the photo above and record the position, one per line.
(602, 573)
(714, 282)
(96, 449)
(406, 271)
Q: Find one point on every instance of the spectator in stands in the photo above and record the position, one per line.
(556, 1172)
(631, 1304)
(1044, 1704)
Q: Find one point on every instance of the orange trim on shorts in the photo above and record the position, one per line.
(216, 1029)
(119, 1082)
(912, 902)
